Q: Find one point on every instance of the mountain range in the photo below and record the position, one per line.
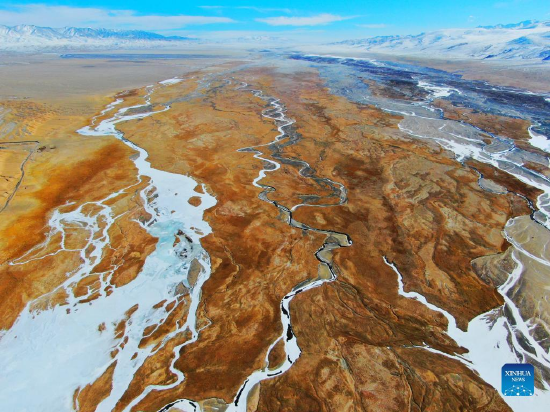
(33, 38)
(526, 40)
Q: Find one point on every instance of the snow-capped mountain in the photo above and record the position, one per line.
(525, 40)
(34, 38)
(257, 39)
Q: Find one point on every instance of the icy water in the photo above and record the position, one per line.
(48, 354)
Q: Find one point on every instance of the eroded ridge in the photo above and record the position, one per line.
(489, 333)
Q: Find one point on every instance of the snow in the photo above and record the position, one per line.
(512, 42)
(539, 140)
(34, 38)
(49, 354)
(170, 81)
(437, 91)
(487, 341)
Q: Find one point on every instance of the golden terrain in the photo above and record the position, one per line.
(363, 345)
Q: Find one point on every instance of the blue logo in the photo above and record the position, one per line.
(518, 379)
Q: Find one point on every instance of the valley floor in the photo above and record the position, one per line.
(259, 233)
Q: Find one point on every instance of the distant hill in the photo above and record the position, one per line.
(526, 40)
(34, 38)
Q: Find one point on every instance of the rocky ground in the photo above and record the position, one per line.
(364, 345)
